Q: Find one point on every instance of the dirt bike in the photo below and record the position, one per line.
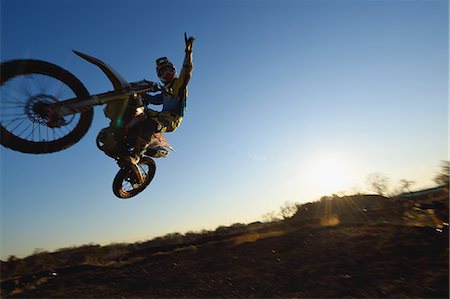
(44, 109)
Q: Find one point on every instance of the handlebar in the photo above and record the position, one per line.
(144, 84)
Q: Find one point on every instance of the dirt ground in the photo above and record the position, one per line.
(370, 261)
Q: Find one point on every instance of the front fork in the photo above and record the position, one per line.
(136, 173)
(106, 142)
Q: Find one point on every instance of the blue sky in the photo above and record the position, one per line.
(289, 101)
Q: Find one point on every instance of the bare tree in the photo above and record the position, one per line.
(270, 217)
(378, 183)
(288, 209)
(442, 178)
(356, 190)
(405, 185)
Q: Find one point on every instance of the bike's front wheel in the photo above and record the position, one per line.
(28, 87)
(126, 184)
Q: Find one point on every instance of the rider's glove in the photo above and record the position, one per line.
(189, 42)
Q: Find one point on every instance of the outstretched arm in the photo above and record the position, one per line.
(186, 71)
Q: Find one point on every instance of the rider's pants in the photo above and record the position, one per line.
(161, 122)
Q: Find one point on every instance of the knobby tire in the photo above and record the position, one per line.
(15, 68)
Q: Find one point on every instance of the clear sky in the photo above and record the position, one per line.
(289, 101)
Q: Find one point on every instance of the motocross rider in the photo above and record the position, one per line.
(173, 98)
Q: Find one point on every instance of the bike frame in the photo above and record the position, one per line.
(80, 105)
(123, 91)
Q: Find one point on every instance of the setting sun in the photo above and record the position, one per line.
(330, 173)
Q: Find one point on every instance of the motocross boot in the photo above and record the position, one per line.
(139, 149)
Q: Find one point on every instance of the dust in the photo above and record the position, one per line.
(329, 220)
(253, 236)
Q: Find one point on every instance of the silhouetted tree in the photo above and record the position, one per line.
(12, 258)
(405, 185)
(270, 217)
(442, 178)
(288, 209)
(378, 183)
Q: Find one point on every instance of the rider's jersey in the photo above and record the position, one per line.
(174, 97)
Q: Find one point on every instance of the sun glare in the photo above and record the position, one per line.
(330, 173)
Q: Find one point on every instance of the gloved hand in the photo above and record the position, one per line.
(189, 42)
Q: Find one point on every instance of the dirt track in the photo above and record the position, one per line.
(336, 261)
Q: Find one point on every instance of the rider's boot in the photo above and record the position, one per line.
(140, 147)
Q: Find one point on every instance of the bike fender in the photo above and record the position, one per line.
(118, 82)
(163, 141)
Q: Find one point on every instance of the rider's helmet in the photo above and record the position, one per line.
(166, 70)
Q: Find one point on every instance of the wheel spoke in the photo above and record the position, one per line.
(15, 89)
(62, 90)
(31, 133)
(19, 96)
(23, 131)
(28, 88)
(23, 118)
(11, 94)
(42, 84)
(12, 114)
(24, 86)
(13, 107)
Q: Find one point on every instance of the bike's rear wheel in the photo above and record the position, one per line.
(126, 185)
(27, 87)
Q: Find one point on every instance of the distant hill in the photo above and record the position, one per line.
(354, 246)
